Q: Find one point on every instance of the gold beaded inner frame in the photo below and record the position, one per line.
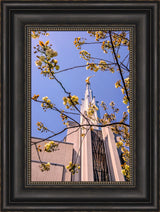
(132, 90)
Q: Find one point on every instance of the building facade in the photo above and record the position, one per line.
(94, 150)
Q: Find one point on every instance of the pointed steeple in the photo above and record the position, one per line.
(88, 96)
(87, 102)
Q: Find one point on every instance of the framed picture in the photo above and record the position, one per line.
(80, 106)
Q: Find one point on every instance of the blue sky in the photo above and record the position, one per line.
(103, 84)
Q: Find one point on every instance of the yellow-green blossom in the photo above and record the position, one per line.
(70, 101)
(51, 53)
(38, 62)
(51, 146)
(73, 168)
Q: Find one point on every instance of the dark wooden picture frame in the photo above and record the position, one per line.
(143, 193)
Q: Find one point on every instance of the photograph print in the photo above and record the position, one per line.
(80, 105)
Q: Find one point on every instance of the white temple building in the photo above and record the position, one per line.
(96, 152)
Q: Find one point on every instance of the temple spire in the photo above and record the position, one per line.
(88, 102)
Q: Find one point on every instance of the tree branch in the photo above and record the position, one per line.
(61, 85)
(38, 153)
(115, 56)
(83, 125)
(67, 69)
(56, 109)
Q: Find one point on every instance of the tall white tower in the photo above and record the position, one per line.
(96, 152)
(88, 102)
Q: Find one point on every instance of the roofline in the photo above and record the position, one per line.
(51, 140)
